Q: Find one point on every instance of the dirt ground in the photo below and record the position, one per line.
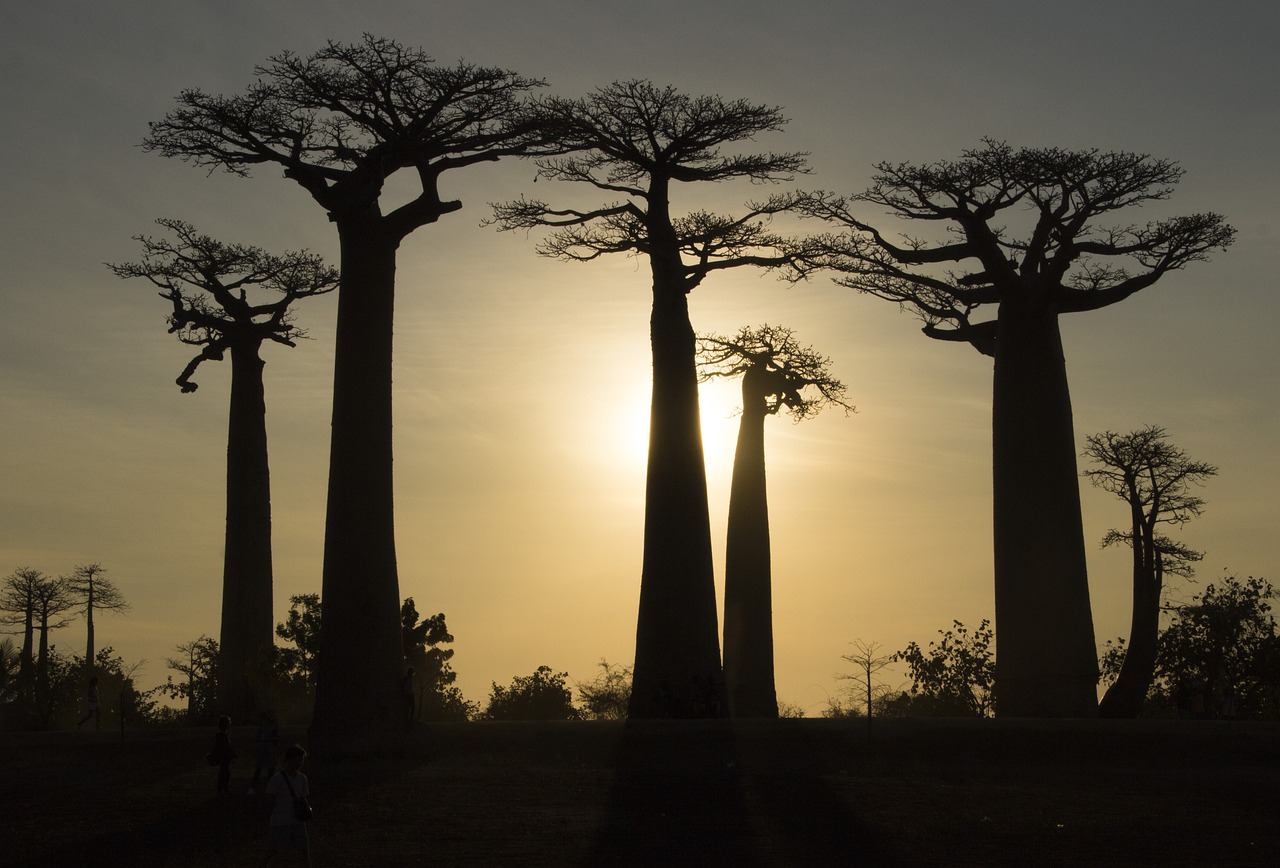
(758, 793)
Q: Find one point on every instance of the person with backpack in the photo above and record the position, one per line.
(287, 793)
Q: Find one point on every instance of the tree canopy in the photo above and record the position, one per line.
(791, 376)
(208, 283)
(347, 117)
(1028, 225)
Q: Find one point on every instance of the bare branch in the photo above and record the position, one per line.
(785, 369)
(208, 285)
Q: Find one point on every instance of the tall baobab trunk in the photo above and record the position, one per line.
(26, 657)
(246, 634)
(361, 660)
(88, 621)
(677, 666)
(1045, 653)
(748, 603)
(1125, 697)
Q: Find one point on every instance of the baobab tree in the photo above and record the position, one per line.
(777, 373)
(19, 602)
(634, 142)
(1156, 480)
(340, 123)
(38, 603)
(1028, 238)
(230, 299)
(89, 588)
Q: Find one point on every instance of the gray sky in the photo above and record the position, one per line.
(521, 384)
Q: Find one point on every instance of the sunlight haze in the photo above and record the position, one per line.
(522, 383)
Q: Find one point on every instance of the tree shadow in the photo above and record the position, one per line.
(710, 793)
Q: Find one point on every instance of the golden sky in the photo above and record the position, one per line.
(522, 384)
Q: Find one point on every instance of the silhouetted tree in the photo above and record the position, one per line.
(956, 676)
(1224, 642)
(302, 628)
(438, 698)
(777, 372)
(8, 669)
(197, 662)
(635, 141)
(51, 602)
(18, 605)
(1026, 239)
(869, 661)
(607, 696)
(233, 298)
(88, 587)
(540, 696)
(341, 122)
(1155, 478)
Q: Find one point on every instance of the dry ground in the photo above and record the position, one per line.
(777, 793)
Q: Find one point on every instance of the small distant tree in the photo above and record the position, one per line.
(51, 603)
(544, 695)
(301, 627)
(777, 374)
(865, 688)
(1224, 640)
(438, 698)
(955, 675)
(88, 587)
(1157, 481)
(607, 695)
(635, 143)
(197, 663)
(19, 598)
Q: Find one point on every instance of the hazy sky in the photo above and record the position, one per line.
(522, 383)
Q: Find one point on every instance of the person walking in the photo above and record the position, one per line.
(287, 793)
(222, 754)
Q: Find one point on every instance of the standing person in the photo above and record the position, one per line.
(266, 748)
(223, 753)
(92, 705)
(287, 828)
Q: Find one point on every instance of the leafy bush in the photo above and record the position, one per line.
(540, 696)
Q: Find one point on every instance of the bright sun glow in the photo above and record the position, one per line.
(624, 440)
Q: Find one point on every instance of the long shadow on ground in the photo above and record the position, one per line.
(709, 793)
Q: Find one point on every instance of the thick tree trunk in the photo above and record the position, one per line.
(677, 665)
(26, 657)
(1125, 697)
(88, 620)
(42, 669)
(246, 635)
(748, 602)
(1045, 663)
(361, 659)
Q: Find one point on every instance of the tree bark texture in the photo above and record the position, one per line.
(1045, 661)
(677, 671)
(748, 603)
(360, 658)
(246, 635)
